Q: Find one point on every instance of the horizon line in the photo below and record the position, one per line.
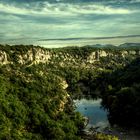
(88, 38)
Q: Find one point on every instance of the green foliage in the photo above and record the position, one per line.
(101, 136)
(29, 106)
(121, 95)
(32, 97)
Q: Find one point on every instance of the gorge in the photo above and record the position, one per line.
(38, 87)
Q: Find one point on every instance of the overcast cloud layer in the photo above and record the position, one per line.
(26, 21)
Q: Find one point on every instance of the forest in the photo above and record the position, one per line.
(35, 105)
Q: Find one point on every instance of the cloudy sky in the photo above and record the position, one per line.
(27, 21)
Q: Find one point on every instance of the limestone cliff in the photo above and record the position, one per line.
(36, 55)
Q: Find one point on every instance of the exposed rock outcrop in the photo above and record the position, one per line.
(36, 55)
(3, 57)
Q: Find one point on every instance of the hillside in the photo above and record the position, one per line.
(37, 86)
(84, 56)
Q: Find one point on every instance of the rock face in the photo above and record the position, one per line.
(64, 84)
(3, 57)
(96, 55)
(32, 56)
(36, 55)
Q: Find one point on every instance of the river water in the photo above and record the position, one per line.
(92, 110)
(97, 116)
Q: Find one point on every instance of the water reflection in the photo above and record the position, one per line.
(98, 119)
(92, 109)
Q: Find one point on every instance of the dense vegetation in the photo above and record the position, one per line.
(34, 104)
(121, 95)
(30, 106)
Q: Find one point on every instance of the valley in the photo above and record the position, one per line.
(38, 87)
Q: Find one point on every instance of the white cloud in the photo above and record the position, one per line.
(63, 9)
(97, 9)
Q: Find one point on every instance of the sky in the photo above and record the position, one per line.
(30, 21)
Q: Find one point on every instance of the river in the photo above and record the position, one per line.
(97, 116)
(92, 110)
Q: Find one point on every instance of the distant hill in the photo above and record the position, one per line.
(129, 45)
(125, 45)
(103, 46)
